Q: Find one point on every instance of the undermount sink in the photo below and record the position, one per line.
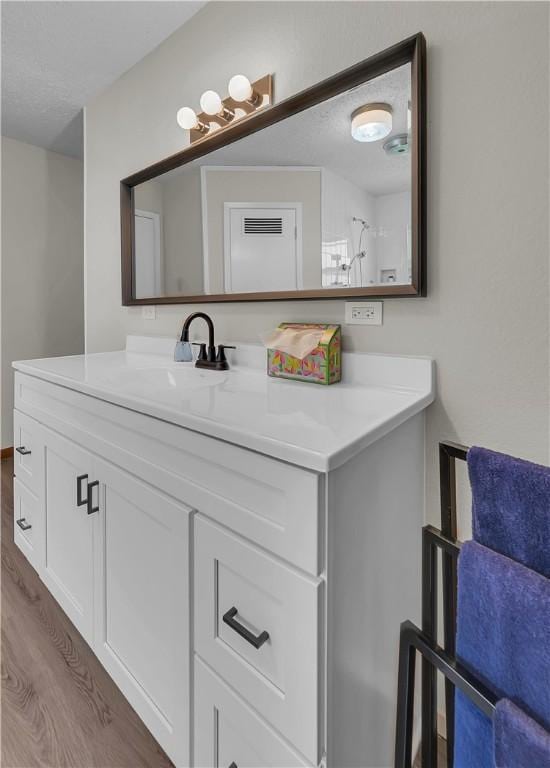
(177, 377)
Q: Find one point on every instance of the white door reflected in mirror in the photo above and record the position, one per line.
(262, 248)
(148, 254)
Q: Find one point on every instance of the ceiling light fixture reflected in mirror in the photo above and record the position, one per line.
(371, 122)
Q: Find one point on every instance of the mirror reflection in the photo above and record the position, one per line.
(321, 199)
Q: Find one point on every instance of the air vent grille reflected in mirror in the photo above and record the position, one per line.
(262, 226)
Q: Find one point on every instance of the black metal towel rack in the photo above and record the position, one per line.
(424, 641)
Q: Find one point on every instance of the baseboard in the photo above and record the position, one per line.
(6, 453)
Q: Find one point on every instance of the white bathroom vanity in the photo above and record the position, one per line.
(238, 551)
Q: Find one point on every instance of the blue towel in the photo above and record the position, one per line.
(511, 507)
(520, 742)
(503, 636)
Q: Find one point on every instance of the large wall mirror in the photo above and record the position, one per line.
(322, 195)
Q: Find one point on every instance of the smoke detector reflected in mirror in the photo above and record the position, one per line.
(397, 145)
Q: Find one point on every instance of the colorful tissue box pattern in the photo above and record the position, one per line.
(323, 365)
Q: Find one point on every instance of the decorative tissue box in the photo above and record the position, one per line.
(323, 365)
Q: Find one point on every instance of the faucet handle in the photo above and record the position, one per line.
(220, 357)
(202, 350)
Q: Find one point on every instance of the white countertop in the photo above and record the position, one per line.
(313, 426)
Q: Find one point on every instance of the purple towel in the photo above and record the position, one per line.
(511, 507)
(520, 742)
(503, 636)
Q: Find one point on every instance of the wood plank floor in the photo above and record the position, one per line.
(60, 709)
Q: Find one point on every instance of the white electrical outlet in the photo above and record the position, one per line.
(149, 312)
(363, 312)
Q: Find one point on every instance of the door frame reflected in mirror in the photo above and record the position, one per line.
(410, 51)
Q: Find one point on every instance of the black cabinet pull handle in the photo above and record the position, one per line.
(256, 640)
(80, 500)
(23, 451)
(22, 523)
(91, 508)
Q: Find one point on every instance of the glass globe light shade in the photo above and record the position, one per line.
(240, 88)
(211, 103)
(187, 118)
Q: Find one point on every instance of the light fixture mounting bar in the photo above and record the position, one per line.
(263, 97)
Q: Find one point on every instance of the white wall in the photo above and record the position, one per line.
(486, 316)
(183, 269)
(148, 196)
(42, 270)
(393, 244)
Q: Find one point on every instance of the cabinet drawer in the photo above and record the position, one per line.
(26, 522)
(239, 591)
(229, 733)
(27, 451)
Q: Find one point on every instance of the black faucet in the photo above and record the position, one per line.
(216, 361)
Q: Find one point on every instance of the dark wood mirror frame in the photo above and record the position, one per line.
(413, 51)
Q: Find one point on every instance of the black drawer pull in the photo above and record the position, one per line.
(80, 500)
(91, 508)
(256, 640)
(23, 451)
(22, 523)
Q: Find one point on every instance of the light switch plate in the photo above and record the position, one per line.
(149, 312)
(364, 312)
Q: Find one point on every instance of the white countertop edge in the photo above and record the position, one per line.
(287, 452)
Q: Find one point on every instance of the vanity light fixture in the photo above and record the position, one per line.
(371, 122)
(245, 98)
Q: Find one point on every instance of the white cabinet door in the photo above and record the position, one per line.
(68, 567)
(230, 733)
(142, 618)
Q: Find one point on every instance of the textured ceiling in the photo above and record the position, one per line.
(56, 56)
